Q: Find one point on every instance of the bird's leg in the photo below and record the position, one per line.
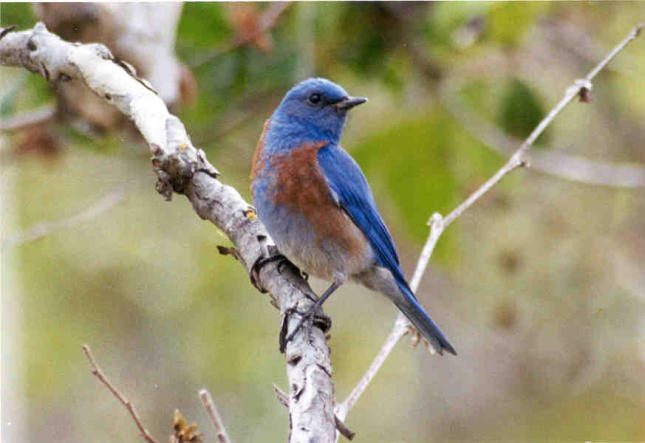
(309, 315)
(273, 255)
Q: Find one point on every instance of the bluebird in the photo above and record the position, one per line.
(317, 206)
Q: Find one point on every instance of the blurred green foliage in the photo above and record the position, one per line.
(520, 111)
(19, 14)
(537, 284)
(509, 22)
(202, 26)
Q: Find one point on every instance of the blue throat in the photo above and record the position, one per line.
(288, 132)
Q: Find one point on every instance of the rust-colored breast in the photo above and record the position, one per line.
(302, 187)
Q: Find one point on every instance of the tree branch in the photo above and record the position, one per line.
(182, 168)
(342, 427)
(551, 162)
(209, 405)
(438, 223)
(96, 371)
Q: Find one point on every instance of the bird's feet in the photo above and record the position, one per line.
(308, 319)
(254, 275)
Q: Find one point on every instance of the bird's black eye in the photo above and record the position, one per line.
(314, 98)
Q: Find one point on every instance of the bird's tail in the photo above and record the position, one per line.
(409, 305)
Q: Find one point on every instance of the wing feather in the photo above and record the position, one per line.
(350, 190)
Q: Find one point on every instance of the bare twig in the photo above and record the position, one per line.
(548, 161)
(96, 371)
(283, 398)
(49, 227)
(401, 326)
(209, 405)
(559, 164)
(343, 429)
(564, 34)
(28, 119)
(438, 223)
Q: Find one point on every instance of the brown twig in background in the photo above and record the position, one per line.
(96, 371)
(438, 223)
(343, 429)
(209, 405)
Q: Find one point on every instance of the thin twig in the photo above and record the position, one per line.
(343, 429)
(517, 159)
(283, 398)
(96, 371)
(209, 405)
(28, 119)
(552, 162)
(46, 228)
(399, 329)
(438, 223)
(401, 326)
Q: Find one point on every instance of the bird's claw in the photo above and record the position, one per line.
(309, 319)
(254, 274)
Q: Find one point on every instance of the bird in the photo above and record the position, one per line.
(317, 206)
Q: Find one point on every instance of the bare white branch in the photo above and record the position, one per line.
(438, 223)
(182, 168)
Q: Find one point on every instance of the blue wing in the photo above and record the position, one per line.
(352, 193)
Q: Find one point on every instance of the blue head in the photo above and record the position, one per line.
(313, 110)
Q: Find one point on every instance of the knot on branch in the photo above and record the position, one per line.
(176, 165)
(584, 88)
(320, 320)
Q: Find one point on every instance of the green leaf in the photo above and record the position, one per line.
(520, 110)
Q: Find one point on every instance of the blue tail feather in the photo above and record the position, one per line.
(422, 321)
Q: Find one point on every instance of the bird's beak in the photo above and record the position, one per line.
(349, 102)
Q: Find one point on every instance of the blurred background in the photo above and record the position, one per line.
(540, 285)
